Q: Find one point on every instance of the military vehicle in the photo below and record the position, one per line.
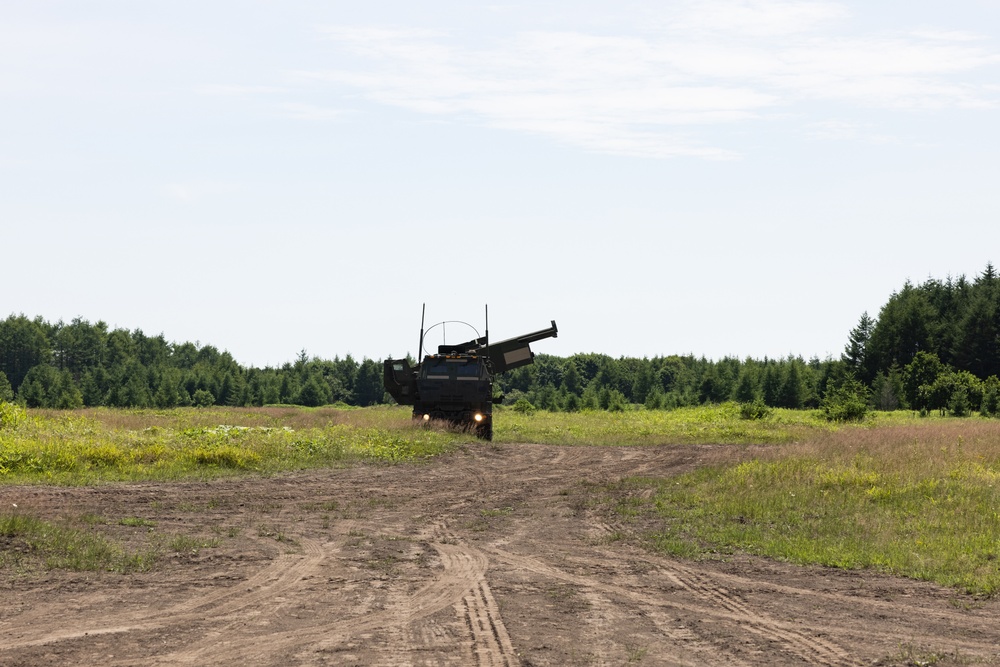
(456, 384)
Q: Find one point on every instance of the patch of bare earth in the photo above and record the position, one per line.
(489, 556)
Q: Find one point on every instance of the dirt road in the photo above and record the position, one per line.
(489, 556)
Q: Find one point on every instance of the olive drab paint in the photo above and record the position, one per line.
(456, 384)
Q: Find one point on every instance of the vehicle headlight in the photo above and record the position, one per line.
(427, 418)
(478, 417)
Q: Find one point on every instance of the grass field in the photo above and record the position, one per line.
(95, 445)
(100, 445)
(917, 497)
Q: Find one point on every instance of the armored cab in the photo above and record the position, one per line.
(456, 384)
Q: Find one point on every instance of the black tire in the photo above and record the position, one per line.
(485, 432)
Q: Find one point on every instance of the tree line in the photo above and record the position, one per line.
(83, 364)
(933, 346)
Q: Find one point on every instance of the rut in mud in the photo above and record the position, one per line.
(488, 556)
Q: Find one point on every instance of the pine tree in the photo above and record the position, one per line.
(314, 392)
(40, 388)
(772, 385)
(792, 390)
(571, 381)
(23, 345)
(6, 391)
(746, 390)
(855, 353)
(67, 395)
(368, 388)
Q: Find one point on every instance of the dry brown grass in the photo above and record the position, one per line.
(919, 447)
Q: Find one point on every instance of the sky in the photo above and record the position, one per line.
(737, 178)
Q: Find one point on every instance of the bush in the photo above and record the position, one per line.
(755, 409)
(959, 403)
(654, 399)
(524, 406)
(991, 397)
(617, 401)
(847, 402)
(203, 398)
(509, 397)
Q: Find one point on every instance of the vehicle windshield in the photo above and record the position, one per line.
(440, 369)
(435, 368)
(469, 370)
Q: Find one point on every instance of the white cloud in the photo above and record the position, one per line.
(700, 63)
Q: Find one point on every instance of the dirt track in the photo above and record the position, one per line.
(490, 556)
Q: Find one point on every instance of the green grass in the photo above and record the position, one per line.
(136, 522)
(92, 446)
(27, 539)
(695, 425)
(917, 499)
(192, 544)
(100, 445)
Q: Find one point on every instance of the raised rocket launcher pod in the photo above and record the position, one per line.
(456, 384)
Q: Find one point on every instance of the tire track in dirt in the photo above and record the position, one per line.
(705, 599)
(490, 642)
(420, 578)
(460, 584)
(889, 611)
(283, 573)
(812, 650)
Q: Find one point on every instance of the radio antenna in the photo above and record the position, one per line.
(420, 349)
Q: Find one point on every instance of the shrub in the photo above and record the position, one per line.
(991, 397)
(617, 401)
(959, 403)
(654, 399)
(755, 409)
(203, 398)
(524, 406)
(846, 402)
(225, 456)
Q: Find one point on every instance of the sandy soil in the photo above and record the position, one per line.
(489, 556)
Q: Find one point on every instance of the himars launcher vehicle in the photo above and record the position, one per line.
(456, 384)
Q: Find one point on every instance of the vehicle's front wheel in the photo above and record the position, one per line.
(485, 431)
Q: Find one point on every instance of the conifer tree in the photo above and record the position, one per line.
(746, 389)
(6, 391)
(792, 390)
(855, 353)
